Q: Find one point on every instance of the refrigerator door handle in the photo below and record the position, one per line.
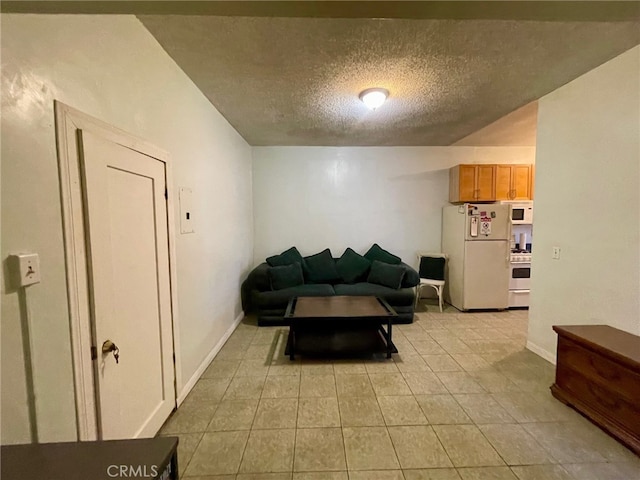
(474, 226)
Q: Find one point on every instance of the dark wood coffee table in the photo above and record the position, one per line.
(325, 323)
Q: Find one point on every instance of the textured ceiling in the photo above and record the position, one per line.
(295, 81)
(289, 72)
(517, 128)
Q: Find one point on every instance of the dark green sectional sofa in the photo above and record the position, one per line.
(269, 287)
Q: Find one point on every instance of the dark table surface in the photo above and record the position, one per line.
(339, 306)
(88, 460)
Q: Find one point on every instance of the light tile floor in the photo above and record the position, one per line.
(463, 400)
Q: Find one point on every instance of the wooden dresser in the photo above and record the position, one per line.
(598, 374)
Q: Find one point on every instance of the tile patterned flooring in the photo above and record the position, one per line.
(463, 400)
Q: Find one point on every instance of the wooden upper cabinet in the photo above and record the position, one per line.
(503, 182)
(533, 181)
(513, 182)
(467, 182)
(521, 182)
(472, 183)
(488, 183)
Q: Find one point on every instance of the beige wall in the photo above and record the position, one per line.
(588, 203)
(339, 197)
(110, 67)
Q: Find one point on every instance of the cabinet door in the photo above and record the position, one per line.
(486, 183)
(467, 183)
(503, 182)
(520, 182)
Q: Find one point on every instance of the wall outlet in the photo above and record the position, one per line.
(556, 253)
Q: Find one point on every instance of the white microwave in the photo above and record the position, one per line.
(521, 212)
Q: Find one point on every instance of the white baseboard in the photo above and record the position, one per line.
(207, 361)
(548, 356)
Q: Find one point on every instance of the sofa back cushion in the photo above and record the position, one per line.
(286, 258)
(352, 267)
(376, 252)
(385, 274)
(320, 268)
(286, 276)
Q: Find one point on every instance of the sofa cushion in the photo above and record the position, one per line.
(352, 266)
(280, 298)
(411, 277)
(401, 297)
(385, 274)
(287, 257)
(432, 268)
(320, 268)
(285, 276)
(376, 252)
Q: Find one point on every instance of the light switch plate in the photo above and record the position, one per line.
(26, 269)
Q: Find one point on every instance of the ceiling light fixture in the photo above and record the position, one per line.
(374, 97)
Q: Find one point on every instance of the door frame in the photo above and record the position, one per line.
(68, 122)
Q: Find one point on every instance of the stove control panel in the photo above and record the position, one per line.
(520, 258)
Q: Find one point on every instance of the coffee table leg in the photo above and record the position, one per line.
(389, 342)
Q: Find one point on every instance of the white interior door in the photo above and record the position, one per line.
(128, 253)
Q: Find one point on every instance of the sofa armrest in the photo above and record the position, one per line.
(257, 279)
(411, 277)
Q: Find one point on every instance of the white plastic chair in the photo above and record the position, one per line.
(431, 267)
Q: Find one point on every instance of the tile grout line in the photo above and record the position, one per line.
(295, 432)
(431, 428)
(386, 426)
(212, 416)
(246, 443)
(344, 444)
(192, 454)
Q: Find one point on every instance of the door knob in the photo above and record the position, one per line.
(109, 346)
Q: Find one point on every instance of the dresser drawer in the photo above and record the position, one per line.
(612, 376)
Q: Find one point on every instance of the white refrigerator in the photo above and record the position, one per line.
(475, 238)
